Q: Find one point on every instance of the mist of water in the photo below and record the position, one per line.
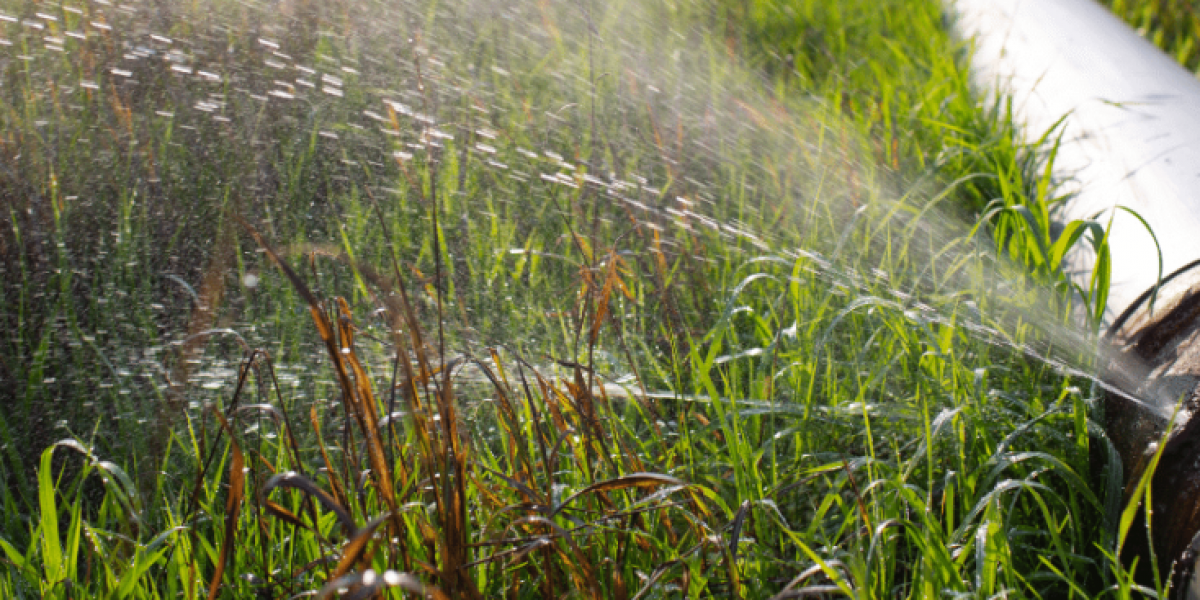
(135, 132)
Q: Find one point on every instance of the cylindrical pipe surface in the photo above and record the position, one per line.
(1130, 138)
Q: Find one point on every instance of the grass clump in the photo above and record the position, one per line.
(622, 300)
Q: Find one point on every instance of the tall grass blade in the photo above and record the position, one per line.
(233, 504)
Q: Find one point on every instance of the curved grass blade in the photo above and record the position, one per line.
(279, 512)
(119, 482)
(620, 483)
(306, 485)
(1159, 280)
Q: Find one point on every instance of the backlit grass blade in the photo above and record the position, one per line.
(233, 504)
(368, 411)
(356, 546)
(53, 560)
(1158, 252)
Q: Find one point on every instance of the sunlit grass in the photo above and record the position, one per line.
(621, 300)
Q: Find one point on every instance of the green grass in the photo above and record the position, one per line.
(667, 299)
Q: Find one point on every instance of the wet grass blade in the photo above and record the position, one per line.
(357, 545)
(634, 480)
(306, 485)
(367, 411)
(279, 512)
(233, 504)
(335, 484)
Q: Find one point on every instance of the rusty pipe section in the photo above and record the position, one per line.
(1130, 138)
(1157, 355)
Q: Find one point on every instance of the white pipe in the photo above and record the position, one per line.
(1132, 137)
